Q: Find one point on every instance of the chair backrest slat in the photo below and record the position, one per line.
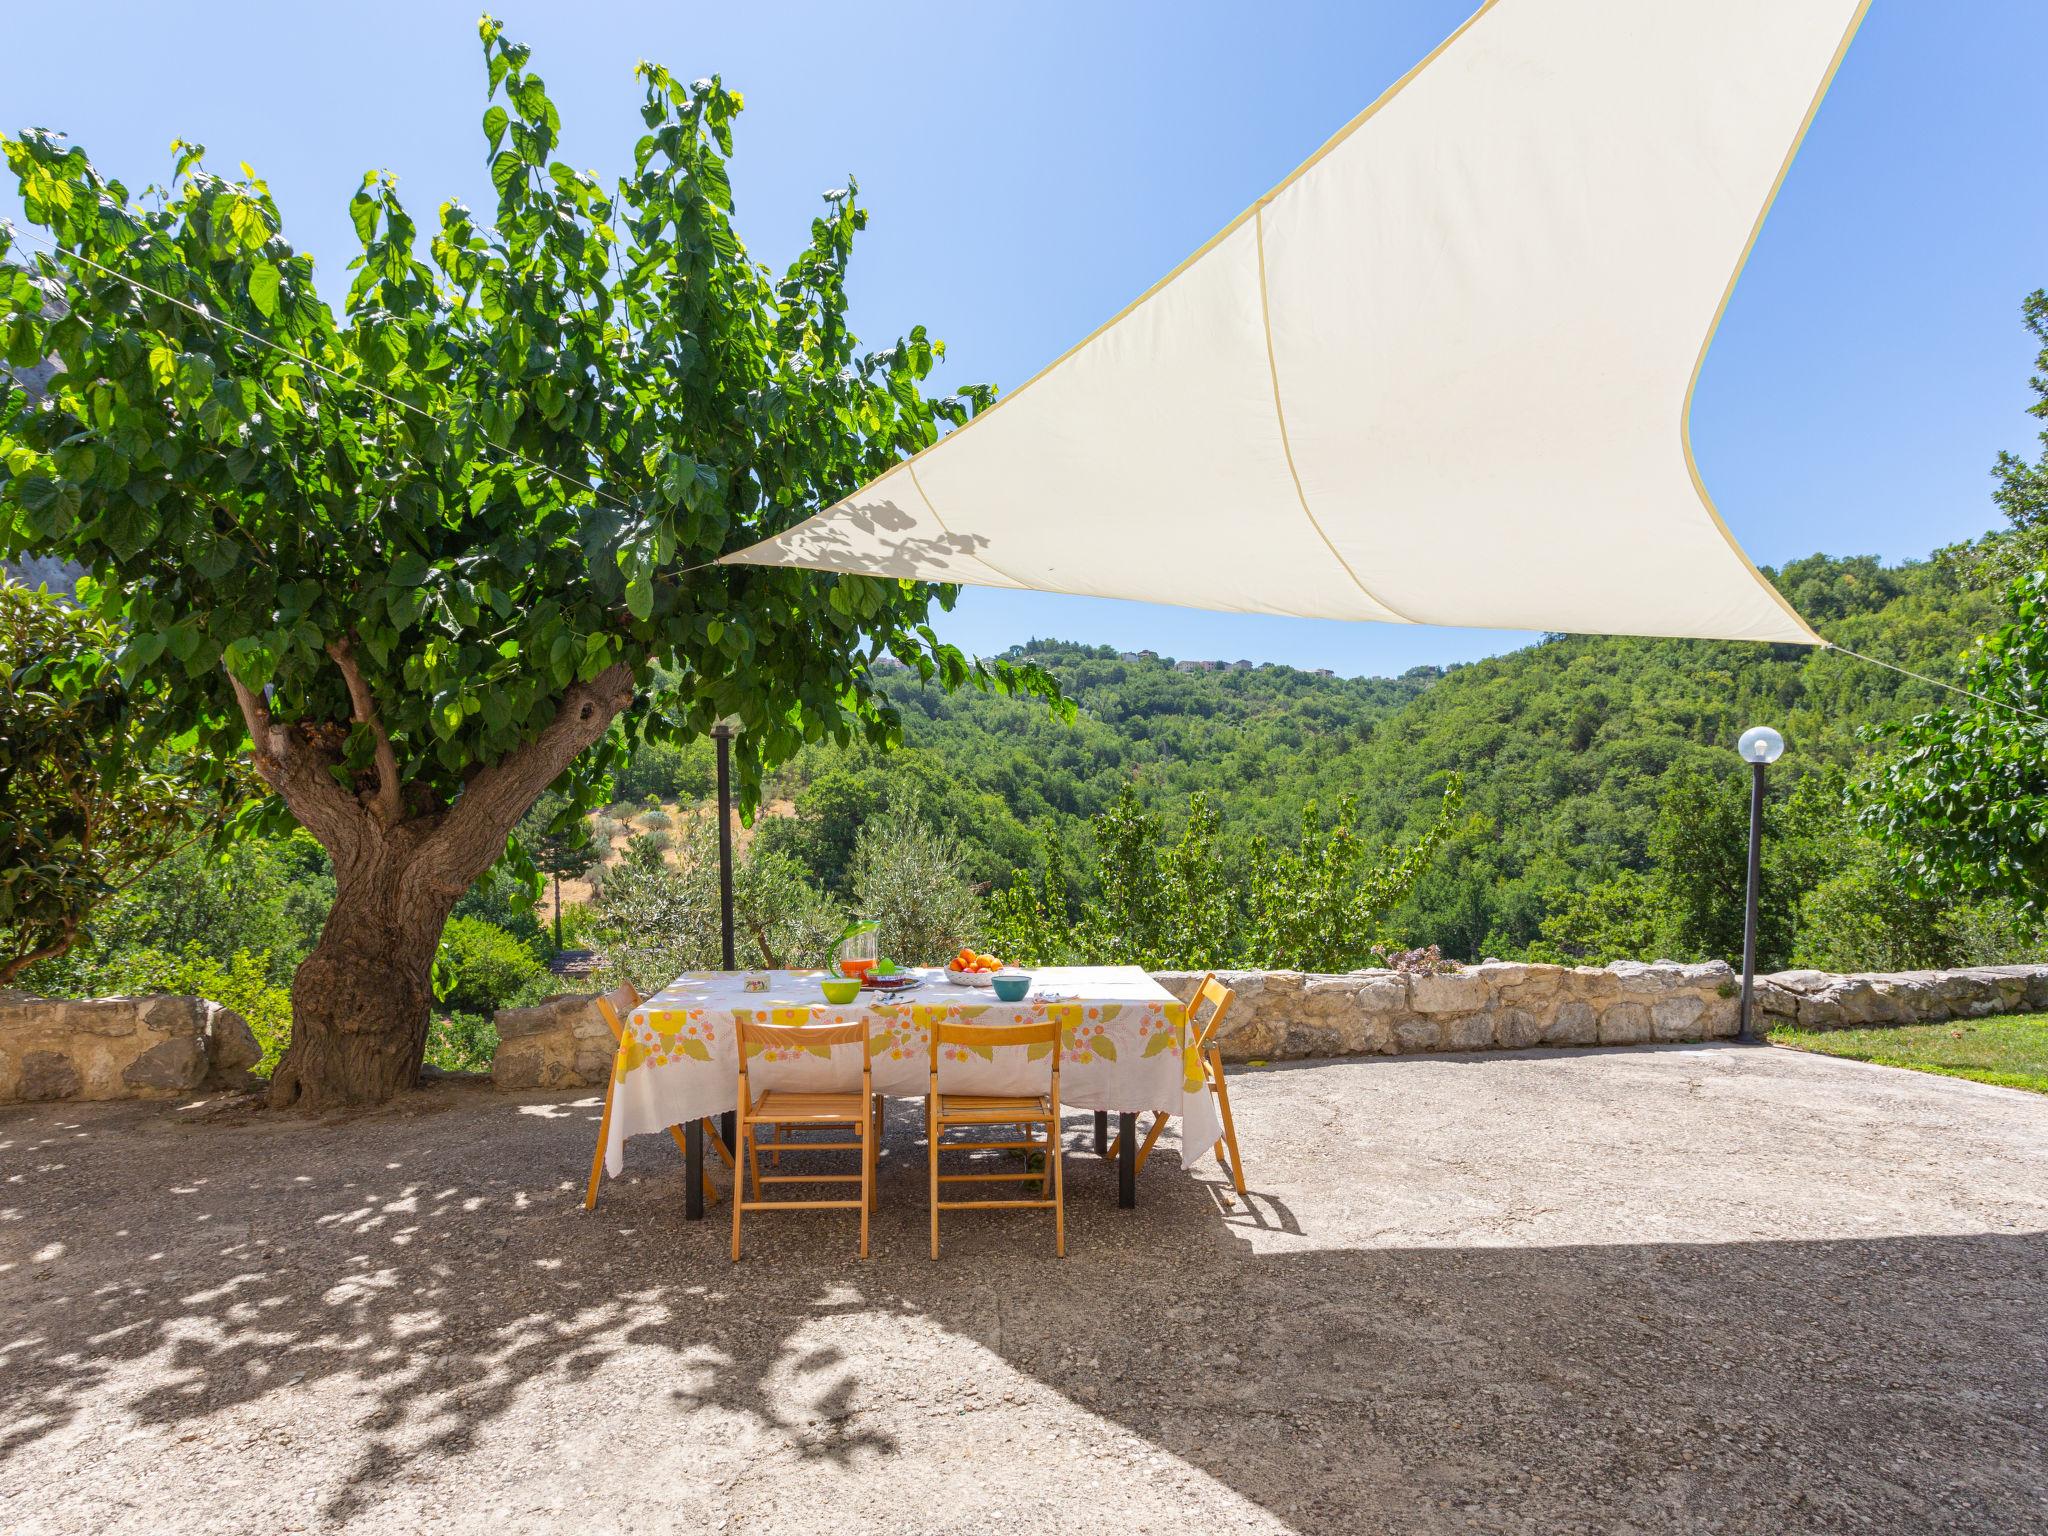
(614, 1007)
(1219, 998)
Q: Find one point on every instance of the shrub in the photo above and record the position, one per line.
(504, 902)
(909, 879)
(462, 1042)
(1864, 917)
(655, 821)
(654, 921)
(1615, 919)
(482, 968)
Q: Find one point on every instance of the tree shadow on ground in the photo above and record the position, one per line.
(1887, 1383)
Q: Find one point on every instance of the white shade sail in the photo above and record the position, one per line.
(1440, 375)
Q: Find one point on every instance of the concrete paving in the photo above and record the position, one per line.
(1689, 1288)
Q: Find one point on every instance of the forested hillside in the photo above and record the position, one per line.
(1567, 748)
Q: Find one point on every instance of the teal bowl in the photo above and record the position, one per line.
(1012, 987)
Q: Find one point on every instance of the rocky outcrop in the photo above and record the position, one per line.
(559, 1043)
(119, 1047)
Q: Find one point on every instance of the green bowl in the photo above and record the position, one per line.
(841, 989)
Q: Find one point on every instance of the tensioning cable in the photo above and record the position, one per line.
(1968, 693)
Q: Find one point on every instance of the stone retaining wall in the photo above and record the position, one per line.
(1283, 1015)
(118, 1047)
(560, 1043)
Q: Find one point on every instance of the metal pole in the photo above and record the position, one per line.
(1756, 861)
(725, 842)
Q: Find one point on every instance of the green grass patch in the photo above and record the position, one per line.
(2010, 1050)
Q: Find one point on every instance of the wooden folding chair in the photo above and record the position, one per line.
(614, 1008)
(946, 1111)
(1219, 998)
(785, 1109)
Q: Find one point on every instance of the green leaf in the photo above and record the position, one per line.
(250, 662)
(408, 569)
(263, 286)
(494, 127)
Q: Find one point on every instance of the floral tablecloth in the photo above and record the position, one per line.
(1125, 1045)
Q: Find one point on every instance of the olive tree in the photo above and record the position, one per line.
(420, 554)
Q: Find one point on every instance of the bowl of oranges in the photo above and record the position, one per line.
(969, 969)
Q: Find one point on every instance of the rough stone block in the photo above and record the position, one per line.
(176, 1065)
(231, 1045)
(1625, 1024)
(1677, 1017)
(1417, 1034)
(1516, 1028)
(1468, 1032)
(46, 1075)
(1573, 1023)
(1453, 992)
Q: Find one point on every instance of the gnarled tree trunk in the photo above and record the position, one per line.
(362, 999)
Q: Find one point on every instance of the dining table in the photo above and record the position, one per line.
(1126, 1047)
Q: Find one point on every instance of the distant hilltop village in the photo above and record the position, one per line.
(1239, 665)
(891, 664)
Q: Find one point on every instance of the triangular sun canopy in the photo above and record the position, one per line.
(1440, 375)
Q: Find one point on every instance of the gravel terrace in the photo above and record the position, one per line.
(1689, 1288)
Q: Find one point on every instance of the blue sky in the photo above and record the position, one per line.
(1032, 168)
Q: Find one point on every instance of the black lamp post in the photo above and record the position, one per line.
(693, 1136)
(723, 733)
(1759, 746)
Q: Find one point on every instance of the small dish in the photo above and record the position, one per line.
(1011, 986)
(840, 989)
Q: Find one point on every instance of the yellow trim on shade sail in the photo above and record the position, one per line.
(1827, 79)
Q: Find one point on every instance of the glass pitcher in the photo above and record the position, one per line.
(858, 949)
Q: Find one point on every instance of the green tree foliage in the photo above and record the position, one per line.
(1321, 904)
(88, 805)
(908, 878)
(419, 553)
(2022, 489)
(1865, 915)
(1619, 918)
(481, 968)
(555, 836)
(1963, 796)
(654, 920)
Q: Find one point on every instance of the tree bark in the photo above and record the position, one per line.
(362, 999)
